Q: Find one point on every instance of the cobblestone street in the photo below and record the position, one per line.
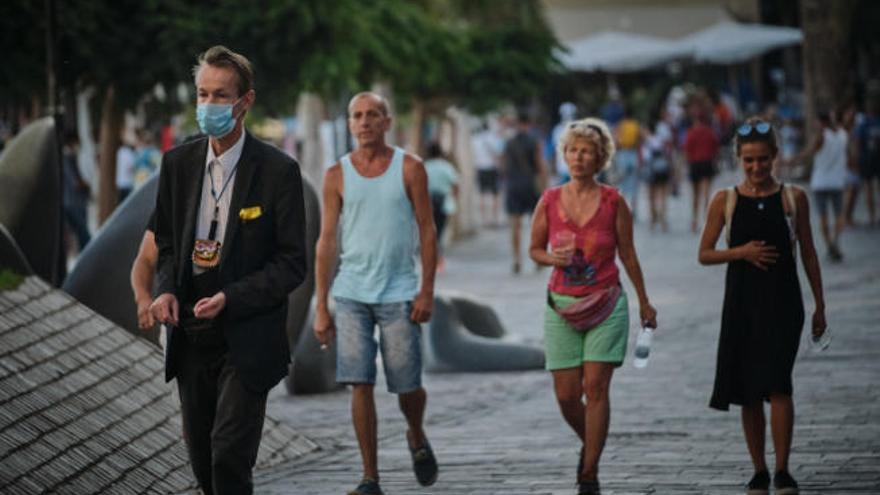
(502, 433)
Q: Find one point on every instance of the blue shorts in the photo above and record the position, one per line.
(399, 339)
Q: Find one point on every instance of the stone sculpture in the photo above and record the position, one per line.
(30, 197)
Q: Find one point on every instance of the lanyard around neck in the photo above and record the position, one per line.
(214, 194)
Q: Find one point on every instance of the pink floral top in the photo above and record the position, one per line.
(593, 266)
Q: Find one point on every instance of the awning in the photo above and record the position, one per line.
(615, 51)
(723, 43)
(731, 42)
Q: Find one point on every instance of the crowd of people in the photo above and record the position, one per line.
(382, 209)
(688, 137)
(226, 245)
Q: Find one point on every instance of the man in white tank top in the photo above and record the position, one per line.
(377, 198)
(828, 179)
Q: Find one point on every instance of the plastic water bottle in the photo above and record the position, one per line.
(820, 343)
(643, 347)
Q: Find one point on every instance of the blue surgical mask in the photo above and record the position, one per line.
(215, 119)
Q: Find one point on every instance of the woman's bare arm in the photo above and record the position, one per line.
(626, 249)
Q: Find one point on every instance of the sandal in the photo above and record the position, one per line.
(424, 464)
(367, 486)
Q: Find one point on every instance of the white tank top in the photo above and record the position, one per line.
(829, 164)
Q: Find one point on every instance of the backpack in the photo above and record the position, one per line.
(787, 200)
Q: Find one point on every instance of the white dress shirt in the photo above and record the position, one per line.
(222, 168)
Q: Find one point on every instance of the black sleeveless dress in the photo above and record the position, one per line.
(763, 311)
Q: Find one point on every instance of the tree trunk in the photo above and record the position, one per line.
(415, 141)
(384, 88)
(310, 114)
(111, 122)
(465, 220)
(826, 58)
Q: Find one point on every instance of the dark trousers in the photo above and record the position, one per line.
(437, 201)
(76, 220)
(222, 421)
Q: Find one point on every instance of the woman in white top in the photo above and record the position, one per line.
(828, 178)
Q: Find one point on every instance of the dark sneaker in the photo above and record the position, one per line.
(759, 484)
(590, 487)
(424, 464)
(834, 253)
(785, 484)
(368, 486)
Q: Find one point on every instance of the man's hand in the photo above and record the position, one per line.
(165, 309)
(325, 330)
(208, 308)
(422, 307)
(145, 316)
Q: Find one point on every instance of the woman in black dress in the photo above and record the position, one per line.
(763, 311)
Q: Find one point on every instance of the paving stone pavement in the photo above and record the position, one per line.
(500, 433)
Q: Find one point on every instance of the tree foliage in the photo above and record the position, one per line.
(475, 53)
(22, 41)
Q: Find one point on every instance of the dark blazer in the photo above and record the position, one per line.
(263, 259)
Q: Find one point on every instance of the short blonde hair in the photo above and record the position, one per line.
(593, 130)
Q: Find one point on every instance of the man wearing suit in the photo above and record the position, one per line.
(230, 235)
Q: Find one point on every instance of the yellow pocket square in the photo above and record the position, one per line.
(250, 213)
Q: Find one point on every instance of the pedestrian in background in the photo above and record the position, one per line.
(701, 147)
(487, 146)
(377, 197)
(627, 162)
(567, 113)
(658, 163)
(849, 121)
(829, 150)
(868, 133)
(525, 176)
(587, 224)
(763, 311)
(147, 157)
(125, 169)
(76, 191)
(443, 188)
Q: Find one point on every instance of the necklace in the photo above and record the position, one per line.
(759, 195)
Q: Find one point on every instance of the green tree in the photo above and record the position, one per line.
(435, 53)
(23, 71)
(123, 49)
(474, 54)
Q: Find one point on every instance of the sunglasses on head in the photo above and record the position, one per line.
(759, 127)
(592, 127)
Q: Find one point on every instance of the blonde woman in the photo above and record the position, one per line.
(586, 321)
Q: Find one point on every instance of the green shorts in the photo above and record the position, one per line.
(566, 347)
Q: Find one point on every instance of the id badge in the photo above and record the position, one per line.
(206, 253)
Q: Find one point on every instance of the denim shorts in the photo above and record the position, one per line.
(399, 339)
